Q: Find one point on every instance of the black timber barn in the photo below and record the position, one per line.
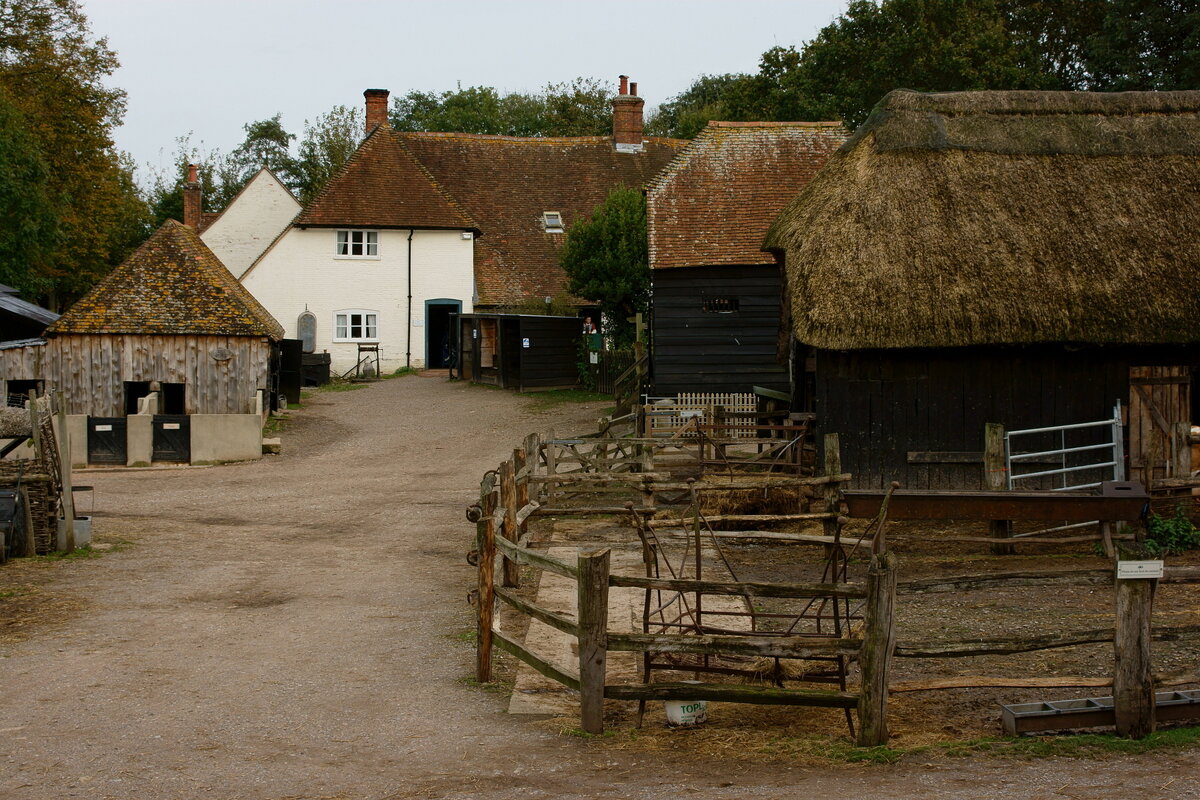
(715, 306)
(1023, 258)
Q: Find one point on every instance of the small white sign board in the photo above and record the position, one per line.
(524, 343)
(170, 426)
(691, 413)
(1133, 570)
(102, 428)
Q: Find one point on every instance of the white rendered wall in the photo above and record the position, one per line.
(251, 222)
(301, 271)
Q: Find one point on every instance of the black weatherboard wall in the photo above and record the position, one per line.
(531, 352)
(716, 329)
(886, 404)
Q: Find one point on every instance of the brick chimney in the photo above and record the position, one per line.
(627, 118)
(191, 200)
(377, 102)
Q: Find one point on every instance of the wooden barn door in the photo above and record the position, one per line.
(1159, 419)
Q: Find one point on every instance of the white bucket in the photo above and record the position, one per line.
(686, 712)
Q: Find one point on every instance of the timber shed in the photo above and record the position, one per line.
(525, 352)
(715, 298)
(166, 359)
(1024, 258)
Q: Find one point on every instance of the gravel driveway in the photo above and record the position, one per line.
(291, 629)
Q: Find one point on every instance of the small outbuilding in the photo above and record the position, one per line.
(166, 359)
(1024, 258)
(716, 296)
(525, 352)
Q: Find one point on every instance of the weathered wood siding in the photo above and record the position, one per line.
(91, 370)
(698, 351)
(551, 360)
(886, 404)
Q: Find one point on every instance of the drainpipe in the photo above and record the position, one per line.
(408, 342)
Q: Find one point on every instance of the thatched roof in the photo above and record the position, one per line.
(1002, 218)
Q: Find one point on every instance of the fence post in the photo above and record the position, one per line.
(508, 496)
(520, 462)
(64, 467)
(1133, 684)
(487, 583)
(995, 479)
(1181, 450)
(878, 643)
(833, 467)
(593, 637)
(551, 459)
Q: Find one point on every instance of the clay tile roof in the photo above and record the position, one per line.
(714, 202)
(171, 285)
(383, 186)
(507, 183)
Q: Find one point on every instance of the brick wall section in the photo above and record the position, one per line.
(627, 119)
(193, 215)
(377, 101)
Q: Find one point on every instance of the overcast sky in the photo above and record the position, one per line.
(209, 67)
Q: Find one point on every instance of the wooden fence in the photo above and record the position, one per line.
(636, 477)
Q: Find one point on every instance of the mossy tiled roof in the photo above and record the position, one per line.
(171, 285)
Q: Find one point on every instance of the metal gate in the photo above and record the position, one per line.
(106, 440)
(172, 438)
(1072, 461)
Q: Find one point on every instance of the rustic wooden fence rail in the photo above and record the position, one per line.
(630, 476)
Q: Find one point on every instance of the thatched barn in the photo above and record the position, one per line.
(166, 359)
(1026, 258)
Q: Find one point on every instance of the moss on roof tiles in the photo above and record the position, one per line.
(171, 285)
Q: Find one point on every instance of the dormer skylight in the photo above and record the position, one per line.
(553, 221)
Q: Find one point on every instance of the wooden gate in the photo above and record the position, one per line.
(172, 438)
(106, 440)
(1159, 420)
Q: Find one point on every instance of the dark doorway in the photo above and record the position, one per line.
(18, 391)
(172, 398)
(438, 336)
(134, 391)
(291, 359)
(172, 438)
(106, 440)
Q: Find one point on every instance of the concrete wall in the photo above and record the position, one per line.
(301, 271)
(225, 437)
(251, 221)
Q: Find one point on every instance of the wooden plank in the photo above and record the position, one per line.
(593, 637)
(994, 682)
(486, 598)
(1133, 684)
(512, 647)
(1023, 505)
(987, 580)
(875, 658)
(731, 693)
(750, 589)
(532, 558)
(945, 457)
(554, 620)
(751, 646)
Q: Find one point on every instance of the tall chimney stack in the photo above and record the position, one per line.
(627, 118)
(377, 101)
(192, 200)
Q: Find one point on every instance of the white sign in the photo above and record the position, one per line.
(102, 428)
(1133, 570)
(418, 322)
(525, 343)
(170, 426)
(594, 357)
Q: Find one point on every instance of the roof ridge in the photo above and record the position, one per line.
(773, 124)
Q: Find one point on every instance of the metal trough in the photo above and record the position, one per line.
(1092, 712)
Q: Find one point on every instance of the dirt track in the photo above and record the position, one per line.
(289, 629)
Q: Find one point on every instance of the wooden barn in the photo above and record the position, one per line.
(526, 352)
(1023, 258)
(167, 359)
(715, 306)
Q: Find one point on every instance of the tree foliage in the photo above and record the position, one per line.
(606, 260)
(52, 71)
(876, 46)
(582, 107)
(327, 144)
(29, 232)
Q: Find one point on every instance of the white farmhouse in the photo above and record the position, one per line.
(251, 221)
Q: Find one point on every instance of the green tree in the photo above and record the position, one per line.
(1146, 45)
(327, 144)
(219, 181)
(53, 72)
(686, 114)
(268, 145)
(29, 231)
(582, 107)
(606, 260)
